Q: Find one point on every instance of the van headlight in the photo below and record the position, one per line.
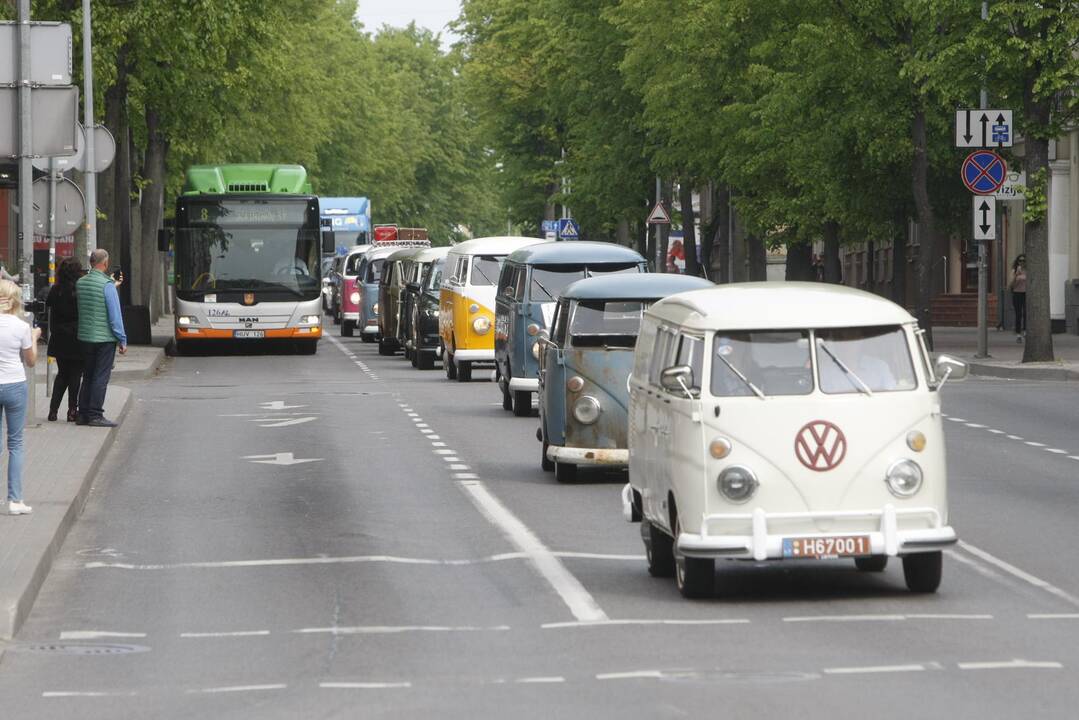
(587, 410)
(737, 483)
(481, 325)
(904, 478)
(354, 298)
(374, 308)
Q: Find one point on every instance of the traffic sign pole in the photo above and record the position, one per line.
(26, 191)
(983, 247)
(89, 178)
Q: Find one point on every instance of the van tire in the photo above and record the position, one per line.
(464, 371)
(367, 338)
(507, 396)
(695, 577)
(386, 347)
(873, 563)
(923, 571)
(448, 366)
(346, 328)
(658, 550)
(522, 403)
(545, 462)
(565, 472)
(424, 360)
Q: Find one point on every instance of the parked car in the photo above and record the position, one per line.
(585, 365)
(415, 268)
(787, 421)
(527, 291)
(424, 341)
(390, 287)
(349, 292)
(467, 302)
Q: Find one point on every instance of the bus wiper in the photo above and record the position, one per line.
(854, 379)
(756, 390)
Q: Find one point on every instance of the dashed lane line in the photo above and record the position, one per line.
(1020, 574)
(1017, 438)
(873, 669)
(364, 685)
(238, 688)
(1011, 665)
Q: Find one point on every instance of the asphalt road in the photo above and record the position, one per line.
(414, 561)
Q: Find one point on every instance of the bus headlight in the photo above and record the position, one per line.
(481, 325)
(586, 410)
(186, 320)
(354, 298)
(310, 320)
(737, 483)
(904, 478)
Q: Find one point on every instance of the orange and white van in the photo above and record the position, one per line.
(467, 302)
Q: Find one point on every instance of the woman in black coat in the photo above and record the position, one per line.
(64, 338)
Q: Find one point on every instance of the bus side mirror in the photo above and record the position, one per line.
(164, 238)
(329, 242)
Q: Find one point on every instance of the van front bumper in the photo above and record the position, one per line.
(587, 456)
(353, 316)
(474, 356)
(524, 384)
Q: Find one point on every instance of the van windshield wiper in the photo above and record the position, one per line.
(543, 288)
(854, 379)
(756, 390)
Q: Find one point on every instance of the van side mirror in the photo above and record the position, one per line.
(677, 378)
(164, 239)
(329, 242)
(947, 368)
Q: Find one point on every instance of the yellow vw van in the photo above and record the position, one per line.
(467, 302)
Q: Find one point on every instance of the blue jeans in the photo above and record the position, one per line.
(98, 359)
(13, 406)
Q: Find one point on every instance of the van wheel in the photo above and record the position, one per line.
(545, 462)
(565, 472)
(336, 316)
(424, 360)
(522, 403)
(447, 363)
(385, 347)
(922, 571)
(873, 563)
(464, 371)
(507, 396)
(658, 549)
(695, 577)
(366, 338)
(346, 328)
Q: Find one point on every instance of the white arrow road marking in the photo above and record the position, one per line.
(280, 459)
(278, 405)
(285, 423)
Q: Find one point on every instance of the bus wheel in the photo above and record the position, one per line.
(658, 550)
(307, 347)
(447, 364)
(922, 571)
(347, 327)
(464, 371)
(522, 403)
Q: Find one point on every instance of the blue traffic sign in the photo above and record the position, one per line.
(568, 229)
(549, 226)
(984, 172)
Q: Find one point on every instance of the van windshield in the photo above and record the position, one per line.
(374, 272)
(766, 362)
(434, 275)
(550, 280)
(606, 323)
(485, 269)
(854, 360)
(352, 264)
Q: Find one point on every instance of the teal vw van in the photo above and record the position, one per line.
(585, 365)
(528, 289)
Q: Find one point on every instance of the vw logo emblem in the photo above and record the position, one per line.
(820, 446)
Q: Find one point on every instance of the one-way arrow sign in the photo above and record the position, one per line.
(983, 128)
(985, 217)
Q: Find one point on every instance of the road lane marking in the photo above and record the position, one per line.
(237, 688)
(1014, 437)
(234, 633)
(632, 675)
(598, 556)
(617, 623)
(539, 680)
(444, 451)
(976, 566)
(465, 476)
(1073, 457)
(996, 432)
(1035, 444)
(1057, 451)
(78, 693)
(451, 458)
(1021, 574)
(459, 467)
(1053, 616)
(569, 588)
(845, 618)
(363, 685)
(396, 629)
(873, 669)
(97, 634)
(1011, 665)
(974, 425)
(438, 444)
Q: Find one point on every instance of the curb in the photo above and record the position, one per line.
(15, 613)
(141, 373)
(1023, 373)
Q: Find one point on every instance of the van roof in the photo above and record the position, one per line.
(377, 253)
(404, 254)
(503, 245)
(776, 305)
(644, 286)
(358, 249)
(431, 254)
(574, 252)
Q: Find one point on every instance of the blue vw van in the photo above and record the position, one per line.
(528, 288)
(585, 364)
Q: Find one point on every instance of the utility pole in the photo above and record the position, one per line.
(90, 180)
(26, 189)
(983, 249)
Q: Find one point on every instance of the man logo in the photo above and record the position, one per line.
(820, 446)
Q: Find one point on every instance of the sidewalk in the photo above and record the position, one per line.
(1005, 355)
(61, 462)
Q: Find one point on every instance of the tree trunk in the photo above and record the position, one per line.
(153, 207)
(122, 240)
(1039, 340)
(621, 233)
(800, 263)
(689, 231)
(899, 260)
(115, 102)
(722, 237)
(833, 269)
(758, 258)
(640, 232)
(923, 285)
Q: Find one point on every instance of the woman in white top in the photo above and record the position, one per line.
(18, 345)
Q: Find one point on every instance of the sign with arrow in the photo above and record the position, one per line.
(985, 217)
(984, 172)
(659, 215)
(983, 128)
(280, 459)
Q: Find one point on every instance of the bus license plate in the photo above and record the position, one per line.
(248, 333)
(825, 547)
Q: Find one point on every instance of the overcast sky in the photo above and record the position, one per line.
(431, 14)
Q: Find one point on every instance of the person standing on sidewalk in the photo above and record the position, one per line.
(18, 345)
(64, 338)
(101, 331)
(1018, 286)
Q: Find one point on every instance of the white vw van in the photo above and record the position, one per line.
(786, 421)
